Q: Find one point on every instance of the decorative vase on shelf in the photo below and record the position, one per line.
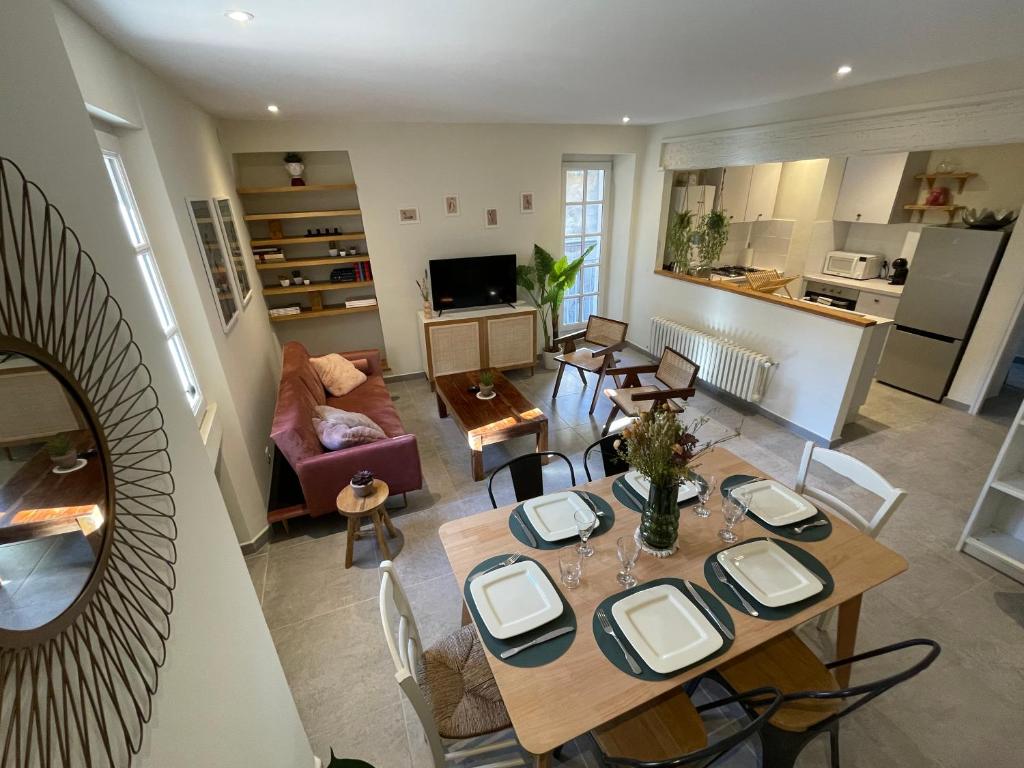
(293, 164)
(428, 310)
(659, 521)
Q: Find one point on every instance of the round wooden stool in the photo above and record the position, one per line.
(355, 508)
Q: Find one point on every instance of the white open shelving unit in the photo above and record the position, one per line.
(995, 531)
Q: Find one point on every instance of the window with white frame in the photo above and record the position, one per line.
(154, 282)
(586, 202)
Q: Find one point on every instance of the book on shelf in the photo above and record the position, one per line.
(364, 302)
(281, 311)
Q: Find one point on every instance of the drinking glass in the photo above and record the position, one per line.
(586, 522)
(570, 563)
(629, 551)
(733, 511)
(705, 487)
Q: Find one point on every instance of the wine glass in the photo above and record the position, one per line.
(571, 566)
(586, 522)
(629, 550)
(705, 487)
(733, 511)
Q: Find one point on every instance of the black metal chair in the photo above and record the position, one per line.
(813, 702)
(628, 742)
(527, 473)
(611, 461)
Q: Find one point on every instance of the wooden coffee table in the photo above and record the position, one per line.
(485, 422)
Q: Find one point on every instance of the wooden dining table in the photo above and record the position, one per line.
(552, 704)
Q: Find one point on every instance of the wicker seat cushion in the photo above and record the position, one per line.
(582, 358)
(624, 399)
(457, 683)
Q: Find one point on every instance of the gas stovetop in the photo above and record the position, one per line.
(737, 271)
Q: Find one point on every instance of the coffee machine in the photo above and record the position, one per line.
(900, 268)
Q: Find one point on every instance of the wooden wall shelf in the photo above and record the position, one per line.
(280, 290)
(303, 214)
(960, 176)
(949, 210)
(306, 188)
(309, 314)
(317, 239)
(326, 261)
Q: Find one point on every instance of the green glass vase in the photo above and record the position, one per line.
(659, 522)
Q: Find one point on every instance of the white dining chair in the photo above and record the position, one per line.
(860, 474)
(449, 685)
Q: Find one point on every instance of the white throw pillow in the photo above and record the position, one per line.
(334, 436)
(338, 375)
(348, 418)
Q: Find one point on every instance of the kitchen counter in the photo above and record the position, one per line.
(874, 285)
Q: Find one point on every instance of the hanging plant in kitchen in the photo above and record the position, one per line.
(663, 449)
(712, 234)
(678, 241)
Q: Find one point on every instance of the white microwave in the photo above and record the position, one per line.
(857, 266)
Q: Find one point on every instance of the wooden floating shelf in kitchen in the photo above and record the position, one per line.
(949, 210)
(960, 176)
(303, 214)
(303, 188)
(326, 261)
(314, 239)
(327, 311)
(280, 290)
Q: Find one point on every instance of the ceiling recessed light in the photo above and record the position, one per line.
(239, 15)
(273, 108)
(844, 70)
(625, 119)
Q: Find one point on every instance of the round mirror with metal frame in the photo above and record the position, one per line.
(78, 674)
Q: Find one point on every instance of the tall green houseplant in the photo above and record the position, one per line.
(678, 240)
(545, 281)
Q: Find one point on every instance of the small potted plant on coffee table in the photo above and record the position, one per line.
(486, 383)
(62, 452)
(362, 482)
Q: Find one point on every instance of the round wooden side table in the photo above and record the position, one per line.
(355, 508)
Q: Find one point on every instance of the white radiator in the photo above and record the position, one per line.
(734, 369)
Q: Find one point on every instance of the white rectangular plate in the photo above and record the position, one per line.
(642, 486)
(515, 599)
(770, 575)
(553, 516)
(774, 503)
(666, 629)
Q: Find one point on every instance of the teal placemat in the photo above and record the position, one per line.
(604, 524)
(612, 651)
(815, 533)
(807, 560)
(628, 497)
(539, 654)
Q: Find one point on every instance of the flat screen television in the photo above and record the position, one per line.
(475, 281)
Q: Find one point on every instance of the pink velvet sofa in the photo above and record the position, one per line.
(321, 474)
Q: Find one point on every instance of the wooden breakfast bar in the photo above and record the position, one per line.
(537, 697)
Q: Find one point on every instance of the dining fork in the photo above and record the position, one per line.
(805, 526)
(720, 575)
(606, 626)
(510, 560)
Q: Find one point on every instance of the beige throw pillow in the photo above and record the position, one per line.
(338, 375)
(348, 418)
(334, 436)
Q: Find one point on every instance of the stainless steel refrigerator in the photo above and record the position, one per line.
(948, 280)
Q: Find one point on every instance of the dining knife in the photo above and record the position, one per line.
(590, 503)
(700, 601)
(530, 538)
(542, 639)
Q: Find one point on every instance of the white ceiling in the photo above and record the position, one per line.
(548, 61)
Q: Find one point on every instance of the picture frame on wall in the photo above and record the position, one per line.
(409, 215)
(233, 243)
(219, 272)
(490, 218)
(451, 205)
(526, 202)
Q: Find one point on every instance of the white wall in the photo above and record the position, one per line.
(222, 698)
(400, 165)
(175, 153)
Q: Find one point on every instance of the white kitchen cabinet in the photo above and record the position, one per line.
(749, 191)
(689, 198)
(876, 187)
(878, 305)
(735, 189)
(764, 188)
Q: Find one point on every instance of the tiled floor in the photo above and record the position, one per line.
(965, 709)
